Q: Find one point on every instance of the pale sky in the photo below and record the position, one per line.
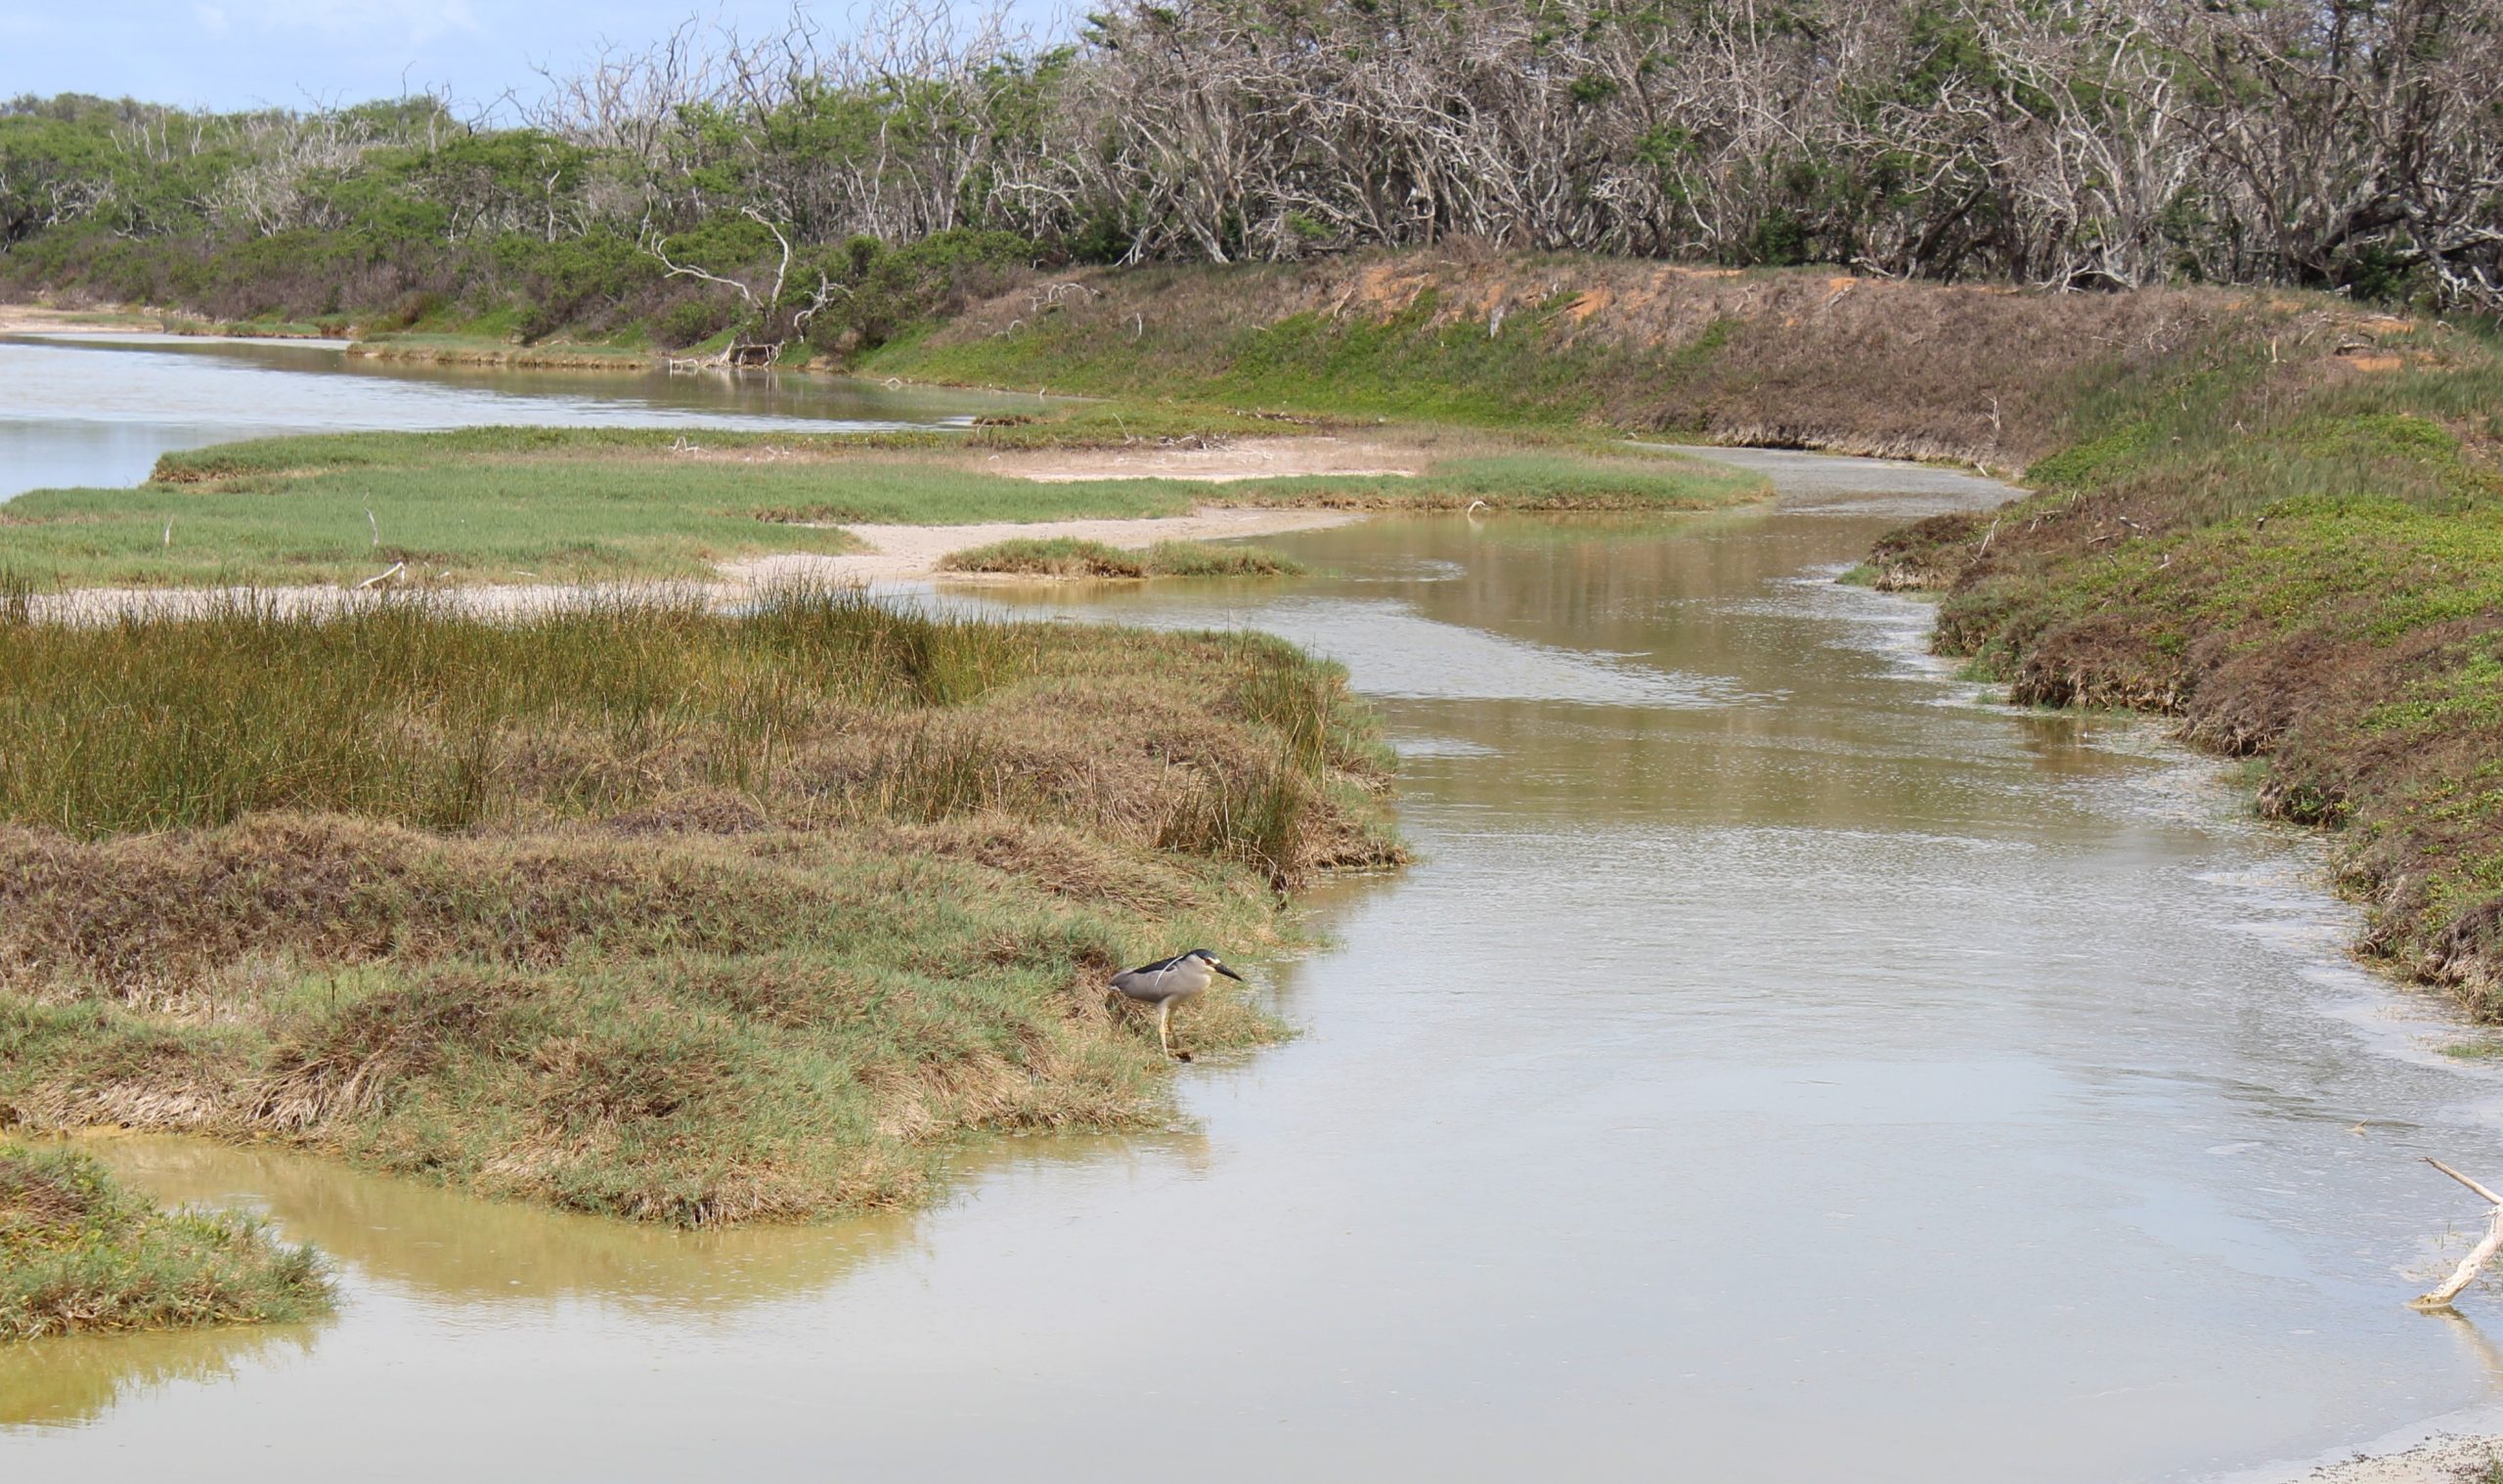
(235, 54)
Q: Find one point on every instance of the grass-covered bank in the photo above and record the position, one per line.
(78, 1253)
(639, 908)
(635, 353)
(2300, 555)
(1070, 557)
(571, 505)
(1775, 357)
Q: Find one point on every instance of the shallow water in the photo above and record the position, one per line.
(99, 411)
(1783, 1065)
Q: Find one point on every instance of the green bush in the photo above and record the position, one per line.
(690, 319)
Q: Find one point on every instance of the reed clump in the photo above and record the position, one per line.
(640, 908)
(78, 1253)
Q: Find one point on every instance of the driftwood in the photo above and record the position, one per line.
(2479, 1255)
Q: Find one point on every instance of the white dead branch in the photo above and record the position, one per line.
(2475, 1262)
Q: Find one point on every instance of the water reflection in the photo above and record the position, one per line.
(2475, 1344)
(64, 1382)
(444, 1245)
(99, 412)
(408, 1251)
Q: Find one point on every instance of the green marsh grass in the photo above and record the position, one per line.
(640, 908)
(1198, 336)
(541, 504)
(400, 709)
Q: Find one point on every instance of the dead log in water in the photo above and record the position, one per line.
(2479, 1255)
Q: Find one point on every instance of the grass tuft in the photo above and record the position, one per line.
(77, 1253)
(17, 595)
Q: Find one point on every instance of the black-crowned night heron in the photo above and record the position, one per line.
(1168, 983)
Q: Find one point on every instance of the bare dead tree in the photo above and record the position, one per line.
(765, 329)
(2341, 144)
(630, 100)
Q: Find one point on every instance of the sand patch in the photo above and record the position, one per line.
(1209, 460)
(2442, 1460)
(904, 554)
(30, 318)
(897, 553)
(1213, 462)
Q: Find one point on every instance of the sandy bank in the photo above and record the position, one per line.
(2439, 1461)
(1209, 460)
(1230, 458)
(896, 553)
(901, 553)
(497, 355)
(30, 318)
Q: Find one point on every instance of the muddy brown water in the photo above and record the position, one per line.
(1782, 1065)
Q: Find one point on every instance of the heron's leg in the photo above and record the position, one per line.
(1165, 1025)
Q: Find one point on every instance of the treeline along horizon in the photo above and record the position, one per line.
(838, 188)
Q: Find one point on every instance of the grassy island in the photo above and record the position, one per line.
(575, 504)
(632, 906)
(1066, 556)
(77, 1253)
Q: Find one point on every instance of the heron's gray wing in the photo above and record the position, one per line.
(1147, 984)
